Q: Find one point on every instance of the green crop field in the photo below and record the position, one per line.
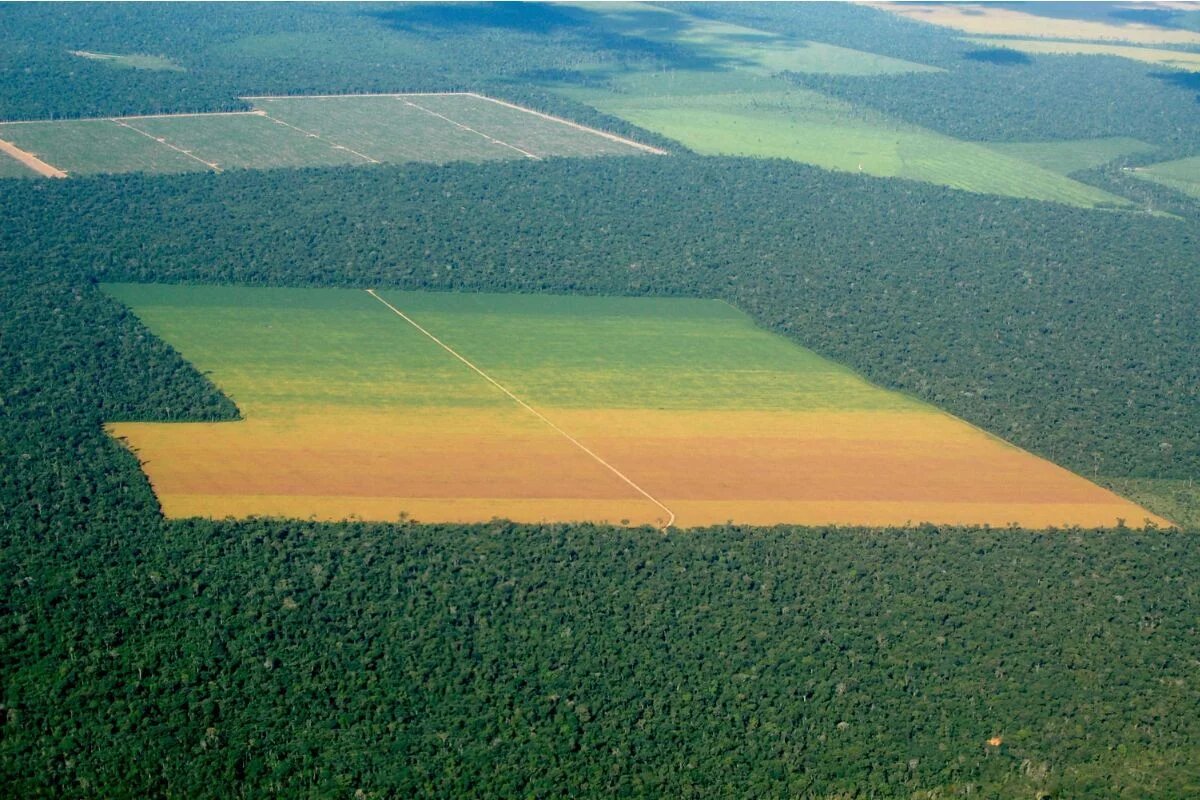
(1065, 157)
(311, 131)
(770, 118)
(1182, 175)
(82, 147)
(386, 128)
(245, 141)
(11, 168)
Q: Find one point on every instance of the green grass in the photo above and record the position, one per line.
(1065, 157)
(1182, 175)
(272, 348)
(132, 61)
(771, 118)
(81, 147)
(245, 141)
(11, 168)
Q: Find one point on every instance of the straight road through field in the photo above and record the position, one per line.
(629, 481)
(492, 139)
(31, 161)
(163, 141)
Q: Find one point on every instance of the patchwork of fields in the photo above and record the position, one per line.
(452, 407)
(747, 115)
(310, 131)
(1182, 175)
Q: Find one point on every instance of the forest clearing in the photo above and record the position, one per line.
(305, 131)
(467, 407)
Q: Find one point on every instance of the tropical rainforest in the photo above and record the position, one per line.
(148, 657)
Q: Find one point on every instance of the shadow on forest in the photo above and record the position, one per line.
(1000, 56)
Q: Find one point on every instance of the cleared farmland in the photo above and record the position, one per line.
(1178, 59)
(313, 131)
(560, 408)
(755, 116)
(1182, 175)
(1073, 155)
(83, 147)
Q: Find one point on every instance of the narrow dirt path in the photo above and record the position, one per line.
(670, 514)
(163, 141)
(31, 161)
(318, 137)
(610, 136)
(492, 139)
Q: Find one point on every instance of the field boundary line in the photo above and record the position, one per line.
(30, 160)
(348, 94)
(605, 134)
(525, 153)
(670, 514)
(163, 141)
(330, 142)
(3, 123)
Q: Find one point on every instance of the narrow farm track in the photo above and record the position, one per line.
(629, 481)
(492, 139)
(31, 161)
(163, 141)
(610, 136)
(318, 137)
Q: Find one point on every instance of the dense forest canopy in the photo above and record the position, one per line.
(146, 657)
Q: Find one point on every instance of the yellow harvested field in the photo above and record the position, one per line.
(1168, 58)
(465, 408)
(985, 19)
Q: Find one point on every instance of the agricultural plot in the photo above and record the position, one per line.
(1177, 59)
(772, 118)
(313, 131)
(84, 147)
(1073, 155)
(450, 407)
(131, 61)
(741, 47)
(11, 168)
(1182, 175)
(232, 141)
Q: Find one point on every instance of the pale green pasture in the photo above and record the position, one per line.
(773, 119)
(1182, 175)
(80, 147)
(1073, 155)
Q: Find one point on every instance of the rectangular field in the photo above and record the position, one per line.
(314, 131)
(453, 407)
(1182, 175)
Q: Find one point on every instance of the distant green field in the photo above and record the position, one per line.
(742, 47)
(771, 118)
(1182, 175)
(81, 147)
(1065, 157)
(11, 168)
(245, 141)
(131, 61)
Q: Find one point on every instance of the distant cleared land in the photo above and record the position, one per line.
(1073, 155)
(1182, 175)
(131, 61)
(1178, 59)
(753, 116)
(988, 19)
(740, 47)
(314, 131)
(622, 409)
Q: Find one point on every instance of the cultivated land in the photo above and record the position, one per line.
(1182, 175)
(1073, 155)
(738, 114)
(1169, 58)
(992, 19)
(313, 131)
(560, 408)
